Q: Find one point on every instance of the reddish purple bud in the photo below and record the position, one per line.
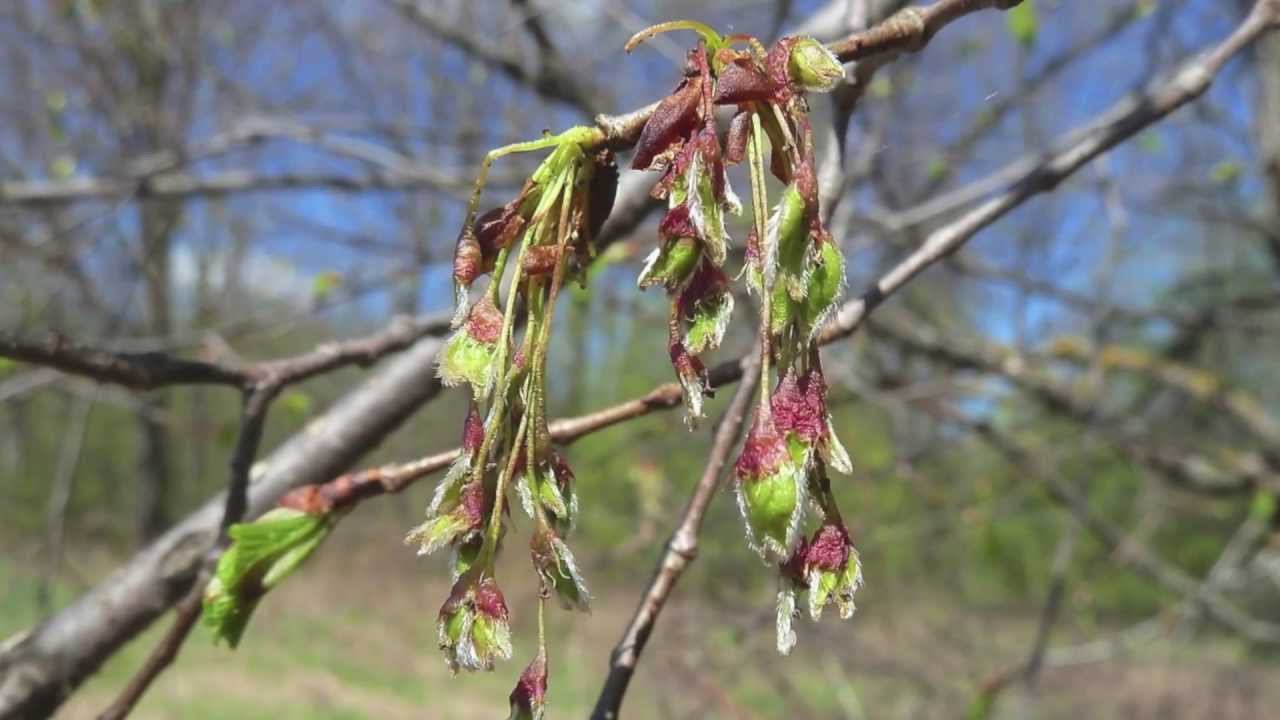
(530, 694)
(799, 405)
(828, 550)
(764, 452)
(468, 259)
(677, 223)
(540, 260)
(474, 505)
(472, 429)
(489, 600)
(484, 322)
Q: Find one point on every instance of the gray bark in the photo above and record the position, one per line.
(41, 667)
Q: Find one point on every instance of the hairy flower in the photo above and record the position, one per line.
(471, 351)
(704, 307)
(550, 490)
(460, 517)
(771, 488)
(472, 628)
(799, 407)
(529, 698)
(825, 568)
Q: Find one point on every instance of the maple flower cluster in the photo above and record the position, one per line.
(537, 240)
(545, 236)
(792, 265)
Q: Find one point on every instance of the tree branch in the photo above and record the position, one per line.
(681, 549)
(150, 370)
(41, 666)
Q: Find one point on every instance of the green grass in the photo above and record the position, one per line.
(352, 636)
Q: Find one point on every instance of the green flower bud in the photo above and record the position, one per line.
(552, 487)
(470, 354)
(787, 243)
(813, 67)
(825, 286)
(705, 305)
(670, 265)
(771, 489)
(460, 516)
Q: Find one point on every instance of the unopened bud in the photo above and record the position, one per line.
(813, 67)
(529, 698)
(771, 489)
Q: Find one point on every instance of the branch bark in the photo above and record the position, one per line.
(681, 549)
(40, 667)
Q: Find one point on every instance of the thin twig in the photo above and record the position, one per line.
(253, 418)
(150, 370)
(681, 549)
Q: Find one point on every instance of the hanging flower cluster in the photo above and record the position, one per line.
(680, 139)
(792, 264)
(543, 236)
(527, 249)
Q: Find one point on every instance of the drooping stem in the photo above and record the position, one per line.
(499, 268)
(557, 276)
(494, 422)
(500, 496)
(473, 202)
(787, 135)
(759, 199)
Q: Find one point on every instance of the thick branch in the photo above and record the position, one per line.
(139, 371)
(910, 29)
(40, 667)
